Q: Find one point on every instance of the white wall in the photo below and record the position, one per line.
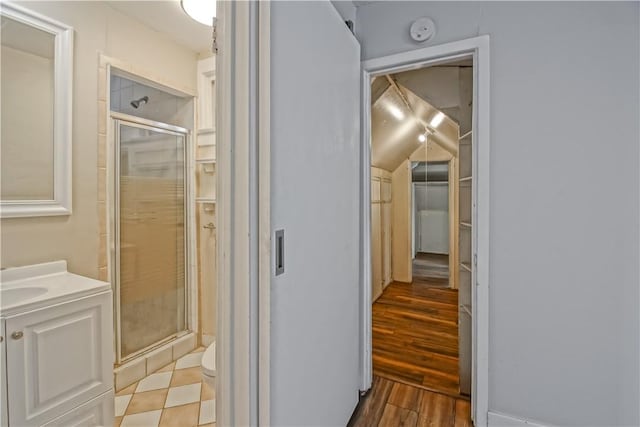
(564, 270)
(431, 217)
(432, 196)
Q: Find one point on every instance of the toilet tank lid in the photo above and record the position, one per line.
(209, 360)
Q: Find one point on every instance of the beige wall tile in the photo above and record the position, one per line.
(102, 83)
(159, 358)
(102, 250)
(130, 373)
(102, 184)
(183, 345)
(103, 274)
(102, 151)
(102, 117)
(102, 217)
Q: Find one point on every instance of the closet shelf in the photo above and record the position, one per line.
(465, 266)
(466, 178)
(465, 224)
(210, 160)
(206, 131)
(205, 200)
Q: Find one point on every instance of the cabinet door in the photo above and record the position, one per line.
(58, 358)
(95, 413)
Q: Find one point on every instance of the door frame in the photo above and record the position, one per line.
(243, 212)
(478, 48)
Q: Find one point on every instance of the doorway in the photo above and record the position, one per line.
(430, 218)
(469, 231)
(418, 331)
(152, 215)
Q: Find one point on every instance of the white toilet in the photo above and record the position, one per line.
(209, 365)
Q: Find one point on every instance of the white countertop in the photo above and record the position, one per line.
(43, 284)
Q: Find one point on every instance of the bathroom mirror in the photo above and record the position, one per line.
(36, 79)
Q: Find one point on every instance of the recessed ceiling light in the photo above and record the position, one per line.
(437, 119)
(395, 112)
(422, 137)
(203, 11)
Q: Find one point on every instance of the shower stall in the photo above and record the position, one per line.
(150, 216)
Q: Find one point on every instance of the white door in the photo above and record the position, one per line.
(315, 131)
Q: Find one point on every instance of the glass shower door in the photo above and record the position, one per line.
(150, 236)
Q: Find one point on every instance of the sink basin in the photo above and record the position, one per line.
(31, 287)
(16, 295)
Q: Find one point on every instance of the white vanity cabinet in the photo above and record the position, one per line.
(58, 352)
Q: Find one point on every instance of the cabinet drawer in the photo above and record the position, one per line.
(58, 358)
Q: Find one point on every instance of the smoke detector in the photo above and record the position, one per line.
(422, 29)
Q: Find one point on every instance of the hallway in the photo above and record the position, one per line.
(415, 335)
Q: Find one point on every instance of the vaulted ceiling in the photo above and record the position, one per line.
(398, 119)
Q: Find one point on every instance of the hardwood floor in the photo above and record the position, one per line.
(392, 404)
(415, 335)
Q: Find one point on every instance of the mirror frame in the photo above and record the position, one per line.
(62, 117)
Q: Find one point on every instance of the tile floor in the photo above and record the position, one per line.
(173, 396)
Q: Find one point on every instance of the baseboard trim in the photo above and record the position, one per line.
(496, 419)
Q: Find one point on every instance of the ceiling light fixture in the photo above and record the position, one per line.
(437, 119)
(422, 137)
(203, 11)
(395, 112)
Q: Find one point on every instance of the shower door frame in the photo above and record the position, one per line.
(116, 120)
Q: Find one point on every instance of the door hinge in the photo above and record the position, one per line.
(350, 26)
(475, 260)
(214, 37)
